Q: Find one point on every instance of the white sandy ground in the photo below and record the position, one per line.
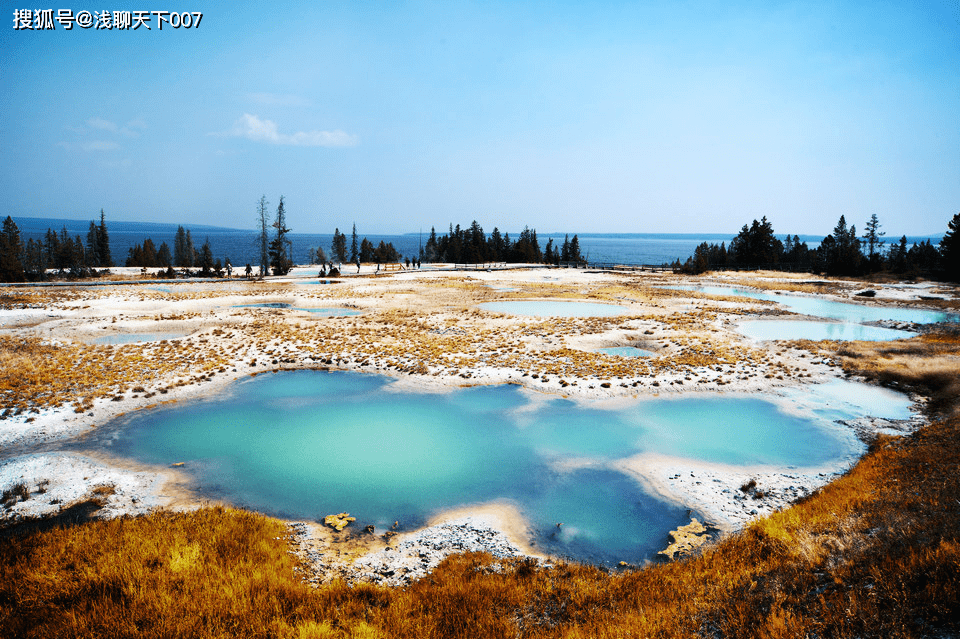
(56, 479)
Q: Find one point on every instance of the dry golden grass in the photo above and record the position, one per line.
(35, 375)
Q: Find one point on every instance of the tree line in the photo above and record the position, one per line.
(30, 260)
(360, 250)
(184, 256)
(471, 245)
(842, 252)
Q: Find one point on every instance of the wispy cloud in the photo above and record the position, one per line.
(253, 128)
(130, 130)
(103, 125)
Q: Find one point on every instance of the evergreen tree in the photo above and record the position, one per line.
(431, 252)
(34, 263)
(575, 250)
(385, 253)
(354, 248)
(873, 238)
(103, 243)
(496, 247)
(756, 246)
(163, 256)
(842, 256)
(366, 253)
(897, 257)
(183, 251)
(338, 247)
(950, 250)
(93, 245)
(206, 259)
(280, 246)
(11, 252)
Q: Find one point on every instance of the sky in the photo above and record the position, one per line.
(616, 117)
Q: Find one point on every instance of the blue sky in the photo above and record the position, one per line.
(564, 116)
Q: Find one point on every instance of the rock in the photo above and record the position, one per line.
(338, 522)
(686, 539)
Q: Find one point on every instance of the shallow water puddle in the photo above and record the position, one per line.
(304, 444)
(627, 351)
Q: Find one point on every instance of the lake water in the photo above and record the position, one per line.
(553, 308)
(306, 444)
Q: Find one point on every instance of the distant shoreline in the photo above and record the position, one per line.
(32, 225)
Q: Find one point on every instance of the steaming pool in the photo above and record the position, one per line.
(304, 444)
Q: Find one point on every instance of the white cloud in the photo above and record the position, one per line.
(130, 130)
(100, 123)
(253, 128)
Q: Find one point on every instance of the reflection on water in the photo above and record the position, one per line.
(310, 443)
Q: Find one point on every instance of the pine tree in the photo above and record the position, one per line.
(11, 252)
(163, 255)
(279, 247)
(338, 247)
(103, 243)
(873, 237)
(206, 259)
(93, 245)
(950, 249)
(575, 250)
(354, 248)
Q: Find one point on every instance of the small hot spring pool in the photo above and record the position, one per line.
(304, 444)
(626, 351)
